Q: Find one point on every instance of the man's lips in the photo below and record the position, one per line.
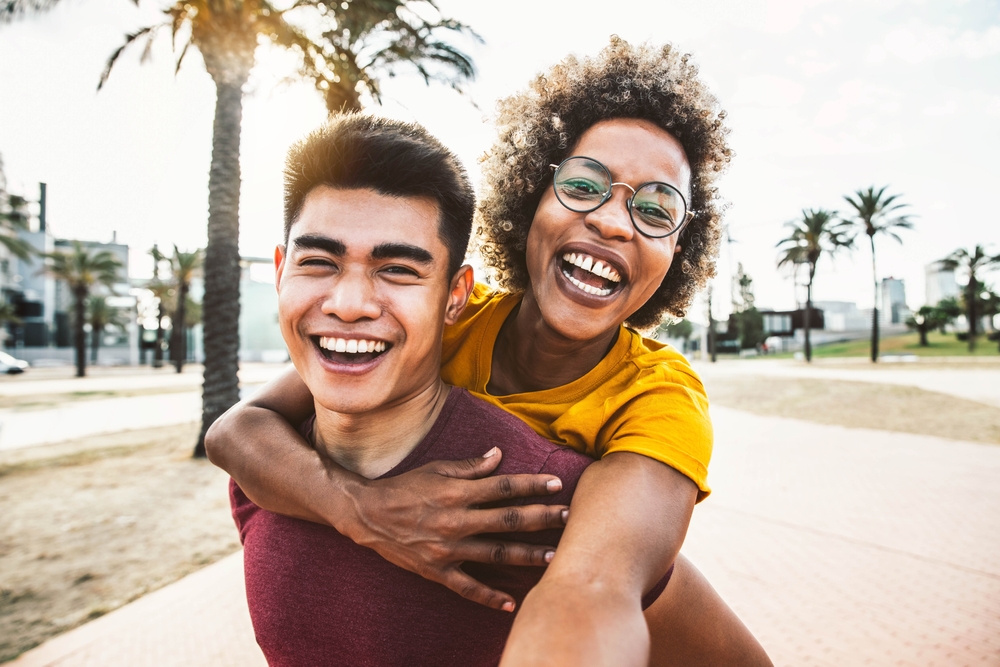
(350, 350)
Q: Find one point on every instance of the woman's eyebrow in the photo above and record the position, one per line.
(317, 242)
(402, 251)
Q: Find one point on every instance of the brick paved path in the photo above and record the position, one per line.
(838, 547)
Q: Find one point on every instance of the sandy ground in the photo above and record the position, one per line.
(91, 524)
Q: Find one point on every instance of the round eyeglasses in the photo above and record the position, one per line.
(583, 184)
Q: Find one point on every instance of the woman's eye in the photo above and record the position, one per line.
(655, 215)
(581, 187)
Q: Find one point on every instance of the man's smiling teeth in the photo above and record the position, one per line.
(351, 345)
(595, 266)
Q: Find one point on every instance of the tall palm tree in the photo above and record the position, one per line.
(183, 266)
(227, 33)
(818, 231)
(974, 263)
(102, 314)
(81, 271)
(877, 213)
(160, 290)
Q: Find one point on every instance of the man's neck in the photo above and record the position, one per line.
(373, 443)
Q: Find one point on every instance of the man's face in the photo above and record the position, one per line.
(363, 296)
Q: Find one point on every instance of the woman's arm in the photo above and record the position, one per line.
(426, 520)
(627, 521)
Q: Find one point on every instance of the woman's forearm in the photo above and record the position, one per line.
(627, 521)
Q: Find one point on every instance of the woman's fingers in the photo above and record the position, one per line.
(470, 589)
(497, 552)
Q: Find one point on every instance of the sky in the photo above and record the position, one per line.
(823, 98)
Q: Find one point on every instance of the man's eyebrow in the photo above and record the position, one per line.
(317, 242)
(401, 251)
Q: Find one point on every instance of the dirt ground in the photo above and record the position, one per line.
(92, 524)
(859, 404)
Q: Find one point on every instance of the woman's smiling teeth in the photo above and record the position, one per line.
(591, 275)
(351, 345)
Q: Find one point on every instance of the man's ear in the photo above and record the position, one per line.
(279, 265)
(458, 293)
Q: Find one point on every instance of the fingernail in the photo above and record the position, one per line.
(565, 515)
(490, 453)
(549, 555)
(553, 484)
(508, 606)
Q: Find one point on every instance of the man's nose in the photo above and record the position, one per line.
(612, 220)
(353, 298)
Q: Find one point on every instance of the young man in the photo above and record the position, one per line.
(377, 219)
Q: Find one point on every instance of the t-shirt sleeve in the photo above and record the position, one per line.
(663, 415)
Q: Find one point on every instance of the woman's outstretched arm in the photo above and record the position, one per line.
(627, 521)
(426, 520)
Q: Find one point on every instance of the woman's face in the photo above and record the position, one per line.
(576, 302)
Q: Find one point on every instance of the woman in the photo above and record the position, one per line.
(599, 211)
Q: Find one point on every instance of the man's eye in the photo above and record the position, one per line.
(316, 261)
(400, 271)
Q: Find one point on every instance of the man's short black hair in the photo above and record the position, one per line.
(355, 151)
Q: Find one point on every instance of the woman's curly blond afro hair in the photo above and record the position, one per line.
(541, 125)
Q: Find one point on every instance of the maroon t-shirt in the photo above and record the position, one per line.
(317, 598)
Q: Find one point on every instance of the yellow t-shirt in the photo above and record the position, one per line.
(643, 397)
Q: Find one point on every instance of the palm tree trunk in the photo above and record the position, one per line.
(222, 257)
(809, 290)
(178, 342)
(970, 300)
(871, 238)
(79, 308)
(95, 341)
(158, 350)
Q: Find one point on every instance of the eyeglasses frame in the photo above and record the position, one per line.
(688, 214)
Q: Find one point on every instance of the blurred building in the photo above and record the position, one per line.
(844, 316)
(893, 307)
(940, 283)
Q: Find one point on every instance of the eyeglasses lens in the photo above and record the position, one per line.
(581, 184)
(657, 209)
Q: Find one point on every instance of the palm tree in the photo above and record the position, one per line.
(227, 33)
(183, 265)
(974, 262)
(875, 213)
(15, 9)
(160, 290)
(101, 315)
(818, 231)
(81, 271)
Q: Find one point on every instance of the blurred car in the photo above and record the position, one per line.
(10, 365)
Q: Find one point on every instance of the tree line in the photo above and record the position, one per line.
(876, 214)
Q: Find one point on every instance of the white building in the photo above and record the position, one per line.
(940, 283)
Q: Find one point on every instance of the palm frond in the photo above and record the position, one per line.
(129, 39)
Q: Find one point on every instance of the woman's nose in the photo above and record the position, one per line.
(612, 219)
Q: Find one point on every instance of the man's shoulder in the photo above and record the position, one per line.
(476, 426)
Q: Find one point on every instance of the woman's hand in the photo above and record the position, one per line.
(425, 521)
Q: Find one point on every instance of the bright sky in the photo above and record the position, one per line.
(823, 98)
